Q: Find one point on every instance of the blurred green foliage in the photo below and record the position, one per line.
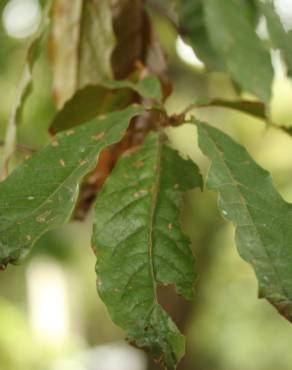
(229, 328)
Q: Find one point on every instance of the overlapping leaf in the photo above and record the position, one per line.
(254, 108)
(281, 38)
(192, 22)
(262, 218)
(105, 97)
(40, 194)
(23, 90)
(233, 35)
(139, 244)
(81, 45)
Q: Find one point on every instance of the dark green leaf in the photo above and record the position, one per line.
(81, 45)
(280, 38)
(105, 97)
(233, 35)
(139, 244)
(40, 194)
(262, 218)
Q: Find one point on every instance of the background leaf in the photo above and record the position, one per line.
(105, 97)
(191, 15)
(23, 90)
(232, 33)
(281, 38)
(261, 217)
(139, 244)
(40, 194)
(82, 42)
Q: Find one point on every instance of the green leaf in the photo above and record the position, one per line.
(261, 217)
(105, 97)
(139, 244)
(23, 90)
(40, 194)
(254, 108)
(82, 42)
(233, 35)
(280, 38)
(192, 22)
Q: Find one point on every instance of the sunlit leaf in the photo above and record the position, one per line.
(254, 108)
(139, 244)
(261, 217)
(40, 194)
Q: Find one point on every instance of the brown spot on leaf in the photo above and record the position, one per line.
(62, 162)
(170, 226)
(28, 237)
(98, 137)
(138, 164)
(70, 132)
(55, 143)
(82, 162)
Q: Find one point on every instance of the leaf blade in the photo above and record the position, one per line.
(139, 244)
(280, 38)
(24, 88)
(233, 35)
(40, 194)
(193, 26)
(261, 217)
(82, 41)
(107, 96)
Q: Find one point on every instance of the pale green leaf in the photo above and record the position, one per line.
(261, 217)
(40, 194)
(82, 42)
(139, 244)
(233, 35)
